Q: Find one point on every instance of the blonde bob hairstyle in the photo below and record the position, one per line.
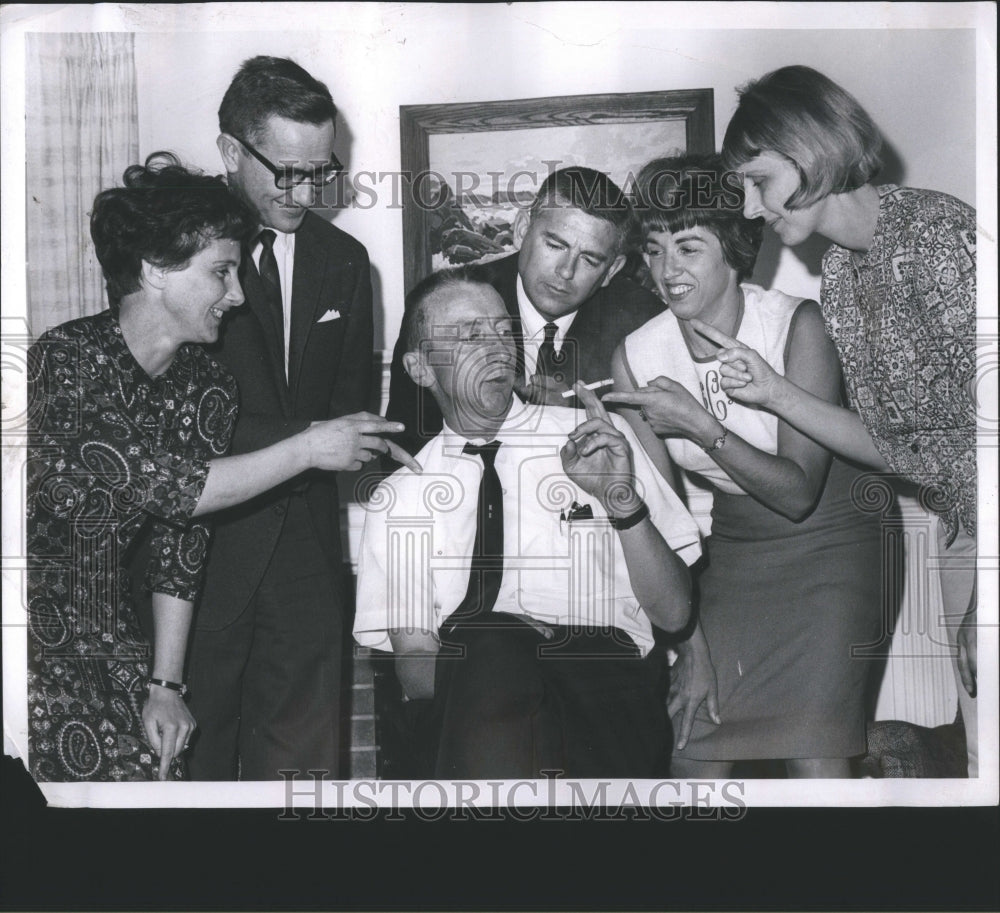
(810, 120)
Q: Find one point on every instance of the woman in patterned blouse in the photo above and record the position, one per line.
(898, 297)
(129, 421)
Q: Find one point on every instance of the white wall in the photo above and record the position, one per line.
(918, 84)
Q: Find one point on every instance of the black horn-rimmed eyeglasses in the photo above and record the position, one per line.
(287, 177)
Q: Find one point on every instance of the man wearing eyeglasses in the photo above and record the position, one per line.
(265, 662)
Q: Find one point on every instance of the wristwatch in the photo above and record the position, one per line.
(633, 519)
(718, 443)
(179, 687)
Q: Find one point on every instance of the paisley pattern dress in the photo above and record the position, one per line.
(903, 318)
(113, 455)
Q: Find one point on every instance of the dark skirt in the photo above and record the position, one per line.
(782, 605)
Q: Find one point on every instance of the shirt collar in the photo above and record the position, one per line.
(518, 421)
(284, 241)
(118, 349)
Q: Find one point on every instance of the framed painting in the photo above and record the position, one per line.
(469, 168)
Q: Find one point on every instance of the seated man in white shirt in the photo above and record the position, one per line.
(534, 654)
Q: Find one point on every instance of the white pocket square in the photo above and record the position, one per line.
(332, 314)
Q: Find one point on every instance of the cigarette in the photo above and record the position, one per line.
(596, 385)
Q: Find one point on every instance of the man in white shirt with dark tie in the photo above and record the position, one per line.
(518, 577)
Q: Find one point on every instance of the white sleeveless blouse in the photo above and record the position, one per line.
(658, 349)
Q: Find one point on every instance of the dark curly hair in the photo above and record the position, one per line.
(688, 191)
(165, 214)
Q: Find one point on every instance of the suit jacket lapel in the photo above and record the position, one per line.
(253, 291)
(584, 333)
(307, 279)
(504, 276)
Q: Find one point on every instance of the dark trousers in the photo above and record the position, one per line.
(516, 703)
(265, 691)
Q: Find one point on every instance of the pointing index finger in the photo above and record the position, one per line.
(716, 336)
(378, 425)
(641, 397)
(401, 456)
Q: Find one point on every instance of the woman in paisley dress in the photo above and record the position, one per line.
(129, 419)
(898, 297)
(792, 579)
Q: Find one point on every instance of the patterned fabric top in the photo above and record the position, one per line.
(903, 318)
(111, 447)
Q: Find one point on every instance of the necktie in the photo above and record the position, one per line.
(549, 360)
(272, 280)
(486, 569)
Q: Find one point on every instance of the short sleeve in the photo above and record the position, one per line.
(371, 618)
(177, 560)
(178, 553)
(946, 255)
(395, 584)
(944, 251)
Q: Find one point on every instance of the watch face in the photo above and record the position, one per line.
(718, 442)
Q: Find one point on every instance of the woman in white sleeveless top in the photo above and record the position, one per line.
(792, 581)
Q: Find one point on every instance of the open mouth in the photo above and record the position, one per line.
(679, 291)
(217, 312)
(499, 372)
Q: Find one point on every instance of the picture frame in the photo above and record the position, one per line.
(462, 189)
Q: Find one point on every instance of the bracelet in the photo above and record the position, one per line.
(718, 443)
(633, 519)
(179, 687)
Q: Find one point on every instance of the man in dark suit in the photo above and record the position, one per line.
(568, 304)
(265, 662)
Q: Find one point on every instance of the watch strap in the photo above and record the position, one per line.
(179, 687)
(633, 519)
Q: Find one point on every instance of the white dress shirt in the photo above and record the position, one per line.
(533, 329)
(414, 565)
(284, 253)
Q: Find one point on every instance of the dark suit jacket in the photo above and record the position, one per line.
(329, 375)
(602, 322)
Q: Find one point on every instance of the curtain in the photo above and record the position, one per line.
(81, 133)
